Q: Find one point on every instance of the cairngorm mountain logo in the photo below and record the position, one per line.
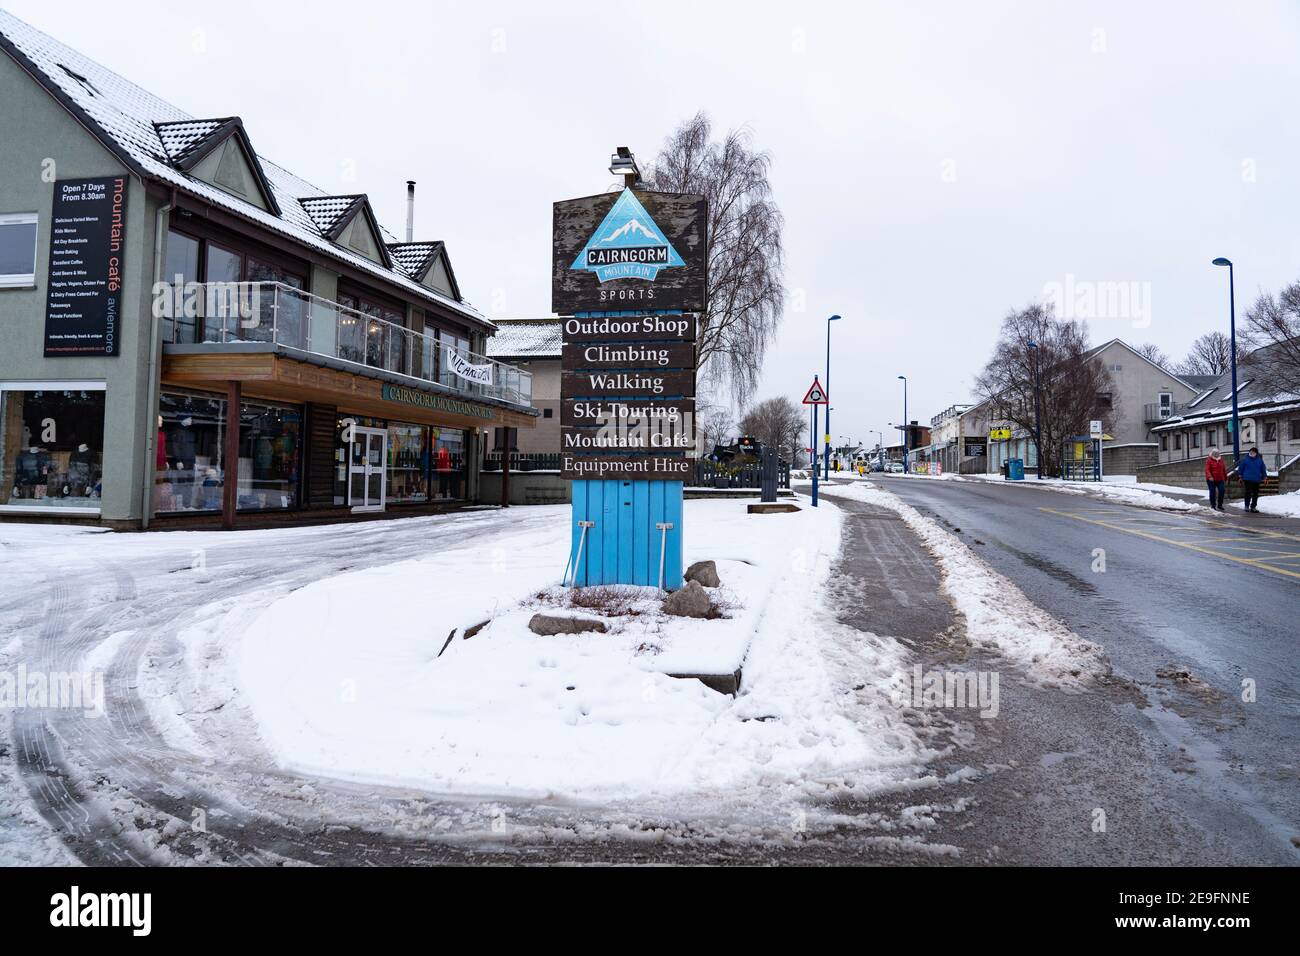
(628, 244)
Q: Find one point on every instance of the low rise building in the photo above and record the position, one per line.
(195, 334)
(1270, 421)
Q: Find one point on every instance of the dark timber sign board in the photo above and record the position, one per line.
(626, 467)
(631, 328)
(635, 355)
(629, 271)
(593, 413)
(633, 250)
(679, 383)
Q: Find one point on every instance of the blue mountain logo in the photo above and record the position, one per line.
(628, 245)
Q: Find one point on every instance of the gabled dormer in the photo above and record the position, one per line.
(349, 221)
(427, 264)
(218, 152)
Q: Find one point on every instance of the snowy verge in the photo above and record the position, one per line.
(344, 677)
(1139, 495)
(1285, 506)
(998, 614)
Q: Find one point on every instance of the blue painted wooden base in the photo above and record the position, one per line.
(624, 544)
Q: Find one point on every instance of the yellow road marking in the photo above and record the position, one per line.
(1249, 562)
(1269, 551)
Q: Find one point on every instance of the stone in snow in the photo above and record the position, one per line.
(690, 601)
(548, 624)
(706, 572)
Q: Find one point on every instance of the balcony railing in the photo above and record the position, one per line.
(270, 312)
(1160, 413)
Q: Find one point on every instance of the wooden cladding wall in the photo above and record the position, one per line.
(322, 438)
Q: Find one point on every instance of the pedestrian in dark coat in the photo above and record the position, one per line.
(1252, 471)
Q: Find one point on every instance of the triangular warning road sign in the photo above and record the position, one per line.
(816, 395)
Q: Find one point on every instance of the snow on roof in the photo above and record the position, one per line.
(521, 338)
(326, 211)
(180, 138)
(127, 119)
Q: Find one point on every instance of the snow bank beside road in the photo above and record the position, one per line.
(344, 679)
(1287, 506)
(1129, 493)
(998, 615)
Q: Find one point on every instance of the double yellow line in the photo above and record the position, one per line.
(1218, 528)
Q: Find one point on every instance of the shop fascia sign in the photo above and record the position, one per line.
(411, 396)
(463, 368)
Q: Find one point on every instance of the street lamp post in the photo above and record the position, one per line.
(827, 466)
(1232, 347)
(1038, 421)
(906, 436)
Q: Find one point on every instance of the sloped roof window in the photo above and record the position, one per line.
(88, 86)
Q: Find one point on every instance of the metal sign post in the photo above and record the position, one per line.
(816, 396)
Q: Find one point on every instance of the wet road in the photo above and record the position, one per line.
(1193, 611)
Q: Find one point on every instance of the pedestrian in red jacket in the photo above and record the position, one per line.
(1216, 478)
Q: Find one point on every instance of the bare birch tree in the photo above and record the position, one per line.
(745, 252)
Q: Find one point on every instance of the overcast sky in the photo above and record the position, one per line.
(937, 163)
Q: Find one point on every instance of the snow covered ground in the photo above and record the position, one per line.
(294, 675)
(1287, 506)
(998, 615)
(352, 686)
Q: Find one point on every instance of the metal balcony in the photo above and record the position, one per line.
(270, 312)
(1154, 414)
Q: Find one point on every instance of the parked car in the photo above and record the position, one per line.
(896, 467)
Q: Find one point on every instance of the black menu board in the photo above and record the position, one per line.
(83, 305)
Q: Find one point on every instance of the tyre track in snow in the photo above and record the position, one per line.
(118, 793)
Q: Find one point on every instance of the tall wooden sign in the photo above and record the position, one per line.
(629, 273)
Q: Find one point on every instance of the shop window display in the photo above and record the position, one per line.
(269, 457)
(408, 463)
(188, 474)
(448, 463)
(53, 448)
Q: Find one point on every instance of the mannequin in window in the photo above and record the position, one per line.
(181, 453)
(31, 472)
(442, 465)
(81, 467)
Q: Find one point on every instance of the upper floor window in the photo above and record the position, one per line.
(1270, 431)
(17, 249)
(221, 312)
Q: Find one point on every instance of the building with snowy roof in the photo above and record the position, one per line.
(195, 335)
